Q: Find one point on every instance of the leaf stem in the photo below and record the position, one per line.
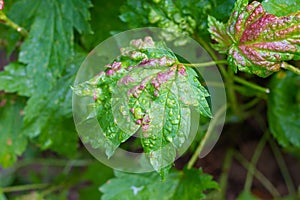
(291, 68)
(233, 103)
(283, 168)
(225, 172)
(5, 20)
(254, 160)
(206, 64)
(266, 183)
(20, 188)
(227, 75)
(251, 85)
(209, 131)
(213, 56)
(251, 103)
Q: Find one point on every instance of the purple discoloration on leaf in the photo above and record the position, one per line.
(157, 62)
(116, 66)
(182, 70)
(140, 44)
(141, 90)
(135, 92)
(1, 4)
(259, 42)
(110, 72)
(126, 80)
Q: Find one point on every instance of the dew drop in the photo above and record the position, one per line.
(175, 122)
(171, 103)
(169, 138)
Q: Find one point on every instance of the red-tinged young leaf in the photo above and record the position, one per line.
(218, 34)
(1, 4)
(260, 42)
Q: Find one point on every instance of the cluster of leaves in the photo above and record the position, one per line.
(258, 38)
(146, 90)
(177, 17)
(146, 80)
(39, 111)
(47, 62)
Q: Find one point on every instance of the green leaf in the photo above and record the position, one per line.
(12, 141)
(96, 174)
(281, 7)
(193, 183)
(284, 109)
(45, 70)
(146, 90)
(50, 40)
(218, 34)
(186, 185)
(222, 9)
(247, 196)
(2, 196)
(260, 42)
(176, 17)
(48, 119)
(100, 13)
(14, 78)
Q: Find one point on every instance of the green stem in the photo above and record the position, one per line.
(228, 76)
(23, 188)
(254, 160)
(225, 173)
(5, 20)
(206, 64)
(213, 56)
(291, 68)
(251, 85)
(63, 185)
(208, 133)
(231, 93)
(266, 183)
(251, 103)
(283, 168)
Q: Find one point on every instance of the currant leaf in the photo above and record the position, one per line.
(178, 18)
(146, 91)
(45, 70)
(185, 185)
(260, 42)
(13, 142)
(284, 109)
(281, 7)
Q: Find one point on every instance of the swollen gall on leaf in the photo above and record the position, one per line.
(146, 91)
